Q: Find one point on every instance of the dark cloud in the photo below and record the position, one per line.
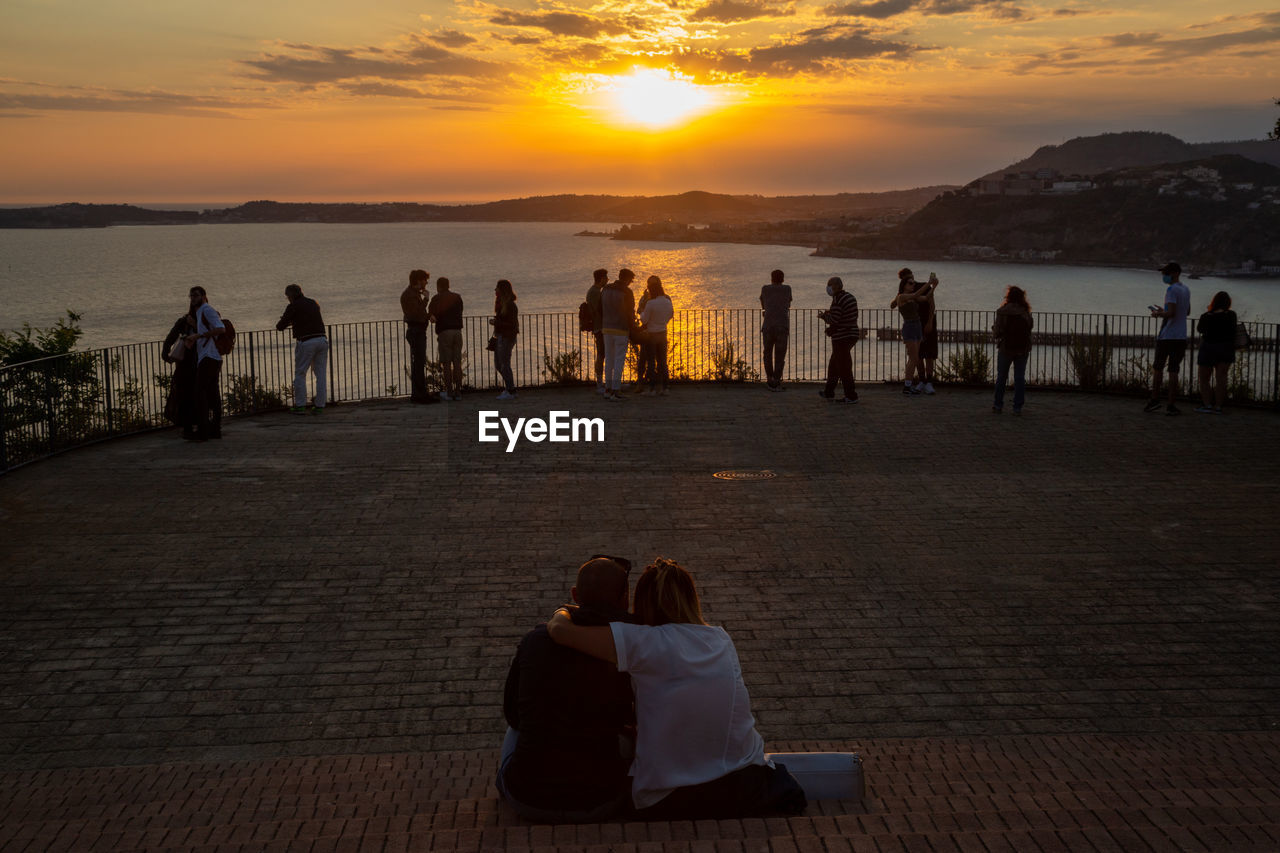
(733, 11)
(311, 66)
(120, 101)
(818, 49)
(882, 9)
(453, 38)
(826, 49)
(1153, 50)
(558, 23)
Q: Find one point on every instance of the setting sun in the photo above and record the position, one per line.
(658, 98)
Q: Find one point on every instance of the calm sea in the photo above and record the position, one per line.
(130, 283)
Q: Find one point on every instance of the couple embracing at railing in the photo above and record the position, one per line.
(639, 715)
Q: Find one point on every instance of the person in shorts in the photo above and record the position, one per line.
(445, 309)
(1217, 330)
(910, 302)
(1171, 340)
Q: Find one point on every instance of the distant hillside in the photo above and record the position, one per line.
(686, 207)
(1094, 155)
(1212, 214)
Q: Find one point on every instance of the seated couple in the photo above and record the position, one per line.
(597, 695)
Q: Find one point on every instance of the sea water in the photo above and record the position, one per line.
(130, 282)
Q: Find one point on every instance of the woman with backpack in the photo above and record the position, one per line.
(1012, 332)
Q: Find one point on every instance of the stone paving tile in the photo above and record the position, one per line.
(919, 567)
(427, 800)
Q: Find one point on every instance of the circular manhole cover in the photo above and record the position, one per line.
(744, 475)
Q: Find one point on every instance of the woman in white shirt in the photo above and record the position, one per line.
(698, 754)
(656, 315)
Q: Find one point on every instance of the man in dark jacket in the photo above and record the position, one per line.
(571, 716)
(311, 353)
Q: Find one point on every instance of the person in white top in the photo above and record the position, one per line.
(698, 754)
(208, 367)
(656, 315)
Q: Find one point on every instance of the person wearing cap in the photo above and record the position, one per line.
(570, 717)
(312, 350)
(1171, 340)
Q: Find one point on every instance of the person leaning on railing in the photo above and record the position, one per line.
(311, 351)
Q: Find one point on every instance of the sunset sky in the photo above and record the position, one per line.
(147, 101)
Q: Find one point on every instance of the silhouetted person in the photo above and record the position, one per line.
(413, 303)
(506, 325)
(311, 353)
(601, 278)
(208, 398)
(842, 327)
(657, 313)
(775, 329)
(912, 299)
(570, 716)
(1171, 340)
(180, 405)
(446, 310)
(1012, 331)
(1217, 330)
(618, 311)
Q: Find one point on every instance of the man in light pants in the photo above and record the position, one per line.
(618, 312)
(312, 351)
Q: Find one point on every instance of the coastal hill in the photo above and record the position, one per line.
(685, 207)
(1220, 214)
(1094, 155)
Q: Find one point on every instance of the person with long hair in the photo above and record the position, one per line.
(698, 754)
(506, 325)
(655, 316)
(1217, 330)
(180, 404)
(912, 299)
(1012, 331)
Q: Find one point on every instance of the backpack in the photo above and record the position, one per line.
(586, 318)
(227, 340)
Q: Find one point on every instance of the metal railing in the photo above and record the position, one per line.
(60, 402)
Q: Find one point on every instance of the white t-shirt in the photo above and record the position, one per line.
(693, 715)
(206, 319)
(657, 314)
(1175, 328)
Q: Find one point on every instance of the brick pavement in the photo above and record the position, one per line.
(921, 576)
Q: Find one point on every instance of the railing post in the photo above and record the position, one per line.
(253, 377)
(1275, 365)
(328, 365)
(4, 426)
(48, 408)
(106, 373)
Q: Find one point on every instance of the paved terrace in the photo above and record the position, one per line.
(1050, 633)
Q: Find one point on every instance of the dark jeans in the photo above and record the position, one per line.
(644, 357)
(502, 361)
(775, 354)
(208, 398)
(599, 339)
(840, 368)
(658, 371)
(417, 337)
(1019, 362)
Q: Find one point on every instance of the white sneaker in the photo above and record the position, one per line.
(917, 388)
(444, 395)
(505, 395)
(928, 388)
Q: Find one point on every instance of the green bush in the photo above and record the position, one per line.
(970, 366)
(243, 395)
(562, 369)
(726, 366)
(1090, 355)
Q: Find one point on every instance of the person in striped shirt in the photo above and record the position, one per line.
(842, 327)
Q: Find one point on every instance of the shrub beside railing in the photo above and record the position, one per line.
(51, 404)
